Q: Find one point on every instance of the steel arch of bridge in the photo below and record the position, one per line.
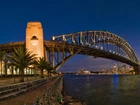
(94, 43)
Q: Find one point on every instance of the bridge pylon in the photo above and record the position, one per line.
(34, 38)
(137, 69)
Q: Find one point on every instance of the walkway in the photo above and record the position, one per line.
(26, 98)
(14, 80)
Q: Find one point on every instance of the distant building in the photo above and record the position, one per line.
(83, 71)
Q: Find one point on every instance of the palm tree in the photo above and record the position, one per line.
(21, 59)
(43, 64)
(49, 68)
(2, 54)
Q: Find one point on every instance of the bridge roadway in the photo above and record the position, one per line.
(84, 50)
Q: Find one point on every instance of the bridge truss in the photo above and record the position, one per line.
(94, 43)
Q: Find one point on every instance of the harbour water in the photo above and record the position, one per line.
(104, 89)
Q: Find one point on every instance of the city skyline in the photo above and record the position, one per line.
(62, 17)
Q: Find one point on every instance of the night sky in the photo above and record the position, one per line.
(121, 17)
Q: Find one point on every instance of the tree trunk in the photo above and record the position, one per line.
(41, 73)
(21, 75)
(12, 70)
(5, 69)
(49, 73)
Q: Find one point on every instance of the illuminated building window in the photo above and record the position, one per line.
(34, 40)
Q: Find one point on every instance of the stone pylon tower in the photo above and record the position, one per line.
(34, 38)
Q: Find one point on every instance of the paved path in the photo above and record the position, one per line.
(27, 98)
(14, 80)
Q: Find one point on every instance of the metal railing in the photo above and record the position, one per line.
(52, 94)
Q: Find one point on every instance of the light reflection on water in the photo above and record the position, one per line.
(104, 89)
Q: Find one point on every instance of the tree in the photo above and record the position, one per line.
(43, 64)
(2, 54)
(49, 68)
(21, 59)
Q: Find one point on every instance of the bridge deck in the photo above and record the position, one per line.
(85, 50)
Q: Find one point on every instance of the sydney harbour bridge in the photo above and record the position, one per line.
(59, 49)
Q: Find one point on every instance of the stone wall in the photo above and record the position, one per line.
(67, 100)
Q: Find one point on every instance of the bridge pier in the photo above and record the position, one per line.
(137, 69)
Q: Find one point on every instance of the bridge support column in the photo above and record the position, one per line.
(137, 69)
(34, 38)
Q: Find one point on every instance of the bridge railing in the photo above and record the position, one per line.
(51, 96)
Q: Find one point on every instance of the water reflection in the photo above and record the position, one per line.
(104, 89)
(115, 79)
